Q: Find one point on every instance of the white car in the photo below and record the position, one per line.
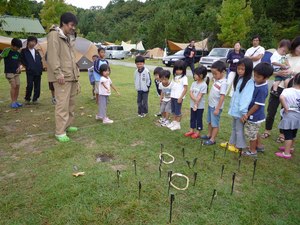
(115, 52)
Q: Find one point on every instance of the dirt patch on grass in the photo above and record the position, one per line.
(136, 143)
(26, 144)
(104, 157)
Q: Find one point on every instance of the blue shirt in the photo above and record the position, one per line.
(231, 56)
(97, 65)
(259, 98)
(240, 101)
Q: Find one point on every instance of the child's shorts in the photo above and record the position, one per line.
(213, 119)
(290, 134)
(13, 78)
(165, 107)
(176, 107)
(281, 78)
(251, 130)
(96, 90)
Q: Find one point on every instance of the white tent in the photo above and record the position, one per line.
(128, 46)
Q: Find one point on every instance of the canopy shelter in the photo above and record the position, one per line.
(155, 53)
(21, 24)
(84, 50)
(175, 46)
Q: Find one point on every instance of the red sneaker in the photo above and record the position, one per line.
(195, 136)
(188, 134)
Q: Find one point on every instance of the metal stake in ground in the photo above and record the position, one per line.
(226, 149)
(195, 178)
(254, 169)
(201, 144)
(222, 171)
(118, 177)
(240, 152)
(232, 186)
(140, 188)
(239, 164)
(214, 155)
(159, 170)
(212, 198)
(172, 198)
(134, 164)
(188, 163)
(161, 148)
(194, 162)
(183, 153)
(169, 181)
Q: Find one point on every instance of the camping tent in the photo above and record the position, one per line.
(128, 46)
(155, 53)
(175, 46)
(84, 50)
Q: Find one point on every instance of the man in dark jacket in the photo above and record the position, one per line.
(32, 60)
(189, 54)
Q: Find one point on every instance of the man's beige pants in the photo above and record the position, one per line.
(65, 105)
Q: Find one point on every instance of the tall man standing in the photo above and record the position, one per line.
(32, 60)
(189, 54)
(64, 73)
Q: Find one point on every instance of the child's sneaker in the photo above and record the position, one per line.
(72, 129)
(176, 126)
(19, 104)
(14, 105)
(209, 142)
(157, 114)
(195, 136)
(161, 120)
(282, 148)
(166, 123)
(98, 117)
(140, 115)
(188, 134)
(249, 153)
(283, 155)
(144, 115)
(171, 124)
(107, 121)
(62, 138)
(260, 149)
(53, 100)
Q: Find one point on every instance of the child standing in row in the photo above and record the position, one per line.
(290, 123)
(215, 101)
(165, 87)
(97, 64)
(256, 115)
(197, 102)
(243, 87)
(157, 81)
(105, 85)
(12, 70)
(178, 91)
(91, 76)
(142, 81)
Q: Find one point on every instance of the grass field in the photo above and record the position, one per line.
(37, 186)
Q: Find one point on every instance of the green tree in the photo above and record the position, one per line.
(234, 20)
(52, 10)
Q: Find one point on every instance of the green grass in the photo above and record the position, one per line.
(37, 186)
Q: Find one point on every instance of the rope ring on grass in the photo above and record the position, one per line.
(165, 153)
(180, 175)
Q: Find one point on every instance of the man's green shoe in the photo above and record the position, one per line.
(62, 138)
(72, 129)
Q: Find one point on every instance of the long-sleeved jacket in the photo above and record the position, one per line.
(61, 59)
(34, 66)
(187, 52)
(142, 80)
(240, 101)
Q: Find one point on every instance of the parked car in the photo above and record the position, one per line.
(115, 52)
(171, 59)
(215, 55)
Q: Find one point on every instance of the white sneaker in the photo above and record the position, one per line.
(166, 123)
(176, 126)
(107, 120)
(98, 117)
(140, 115)
(161, 120)
(171, 124)
(144, 114)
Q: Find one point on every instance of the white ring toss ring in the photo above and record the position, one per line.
(180, 175)
(165, 153)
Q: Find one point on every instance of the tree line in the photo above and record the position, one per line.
(223, 21)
